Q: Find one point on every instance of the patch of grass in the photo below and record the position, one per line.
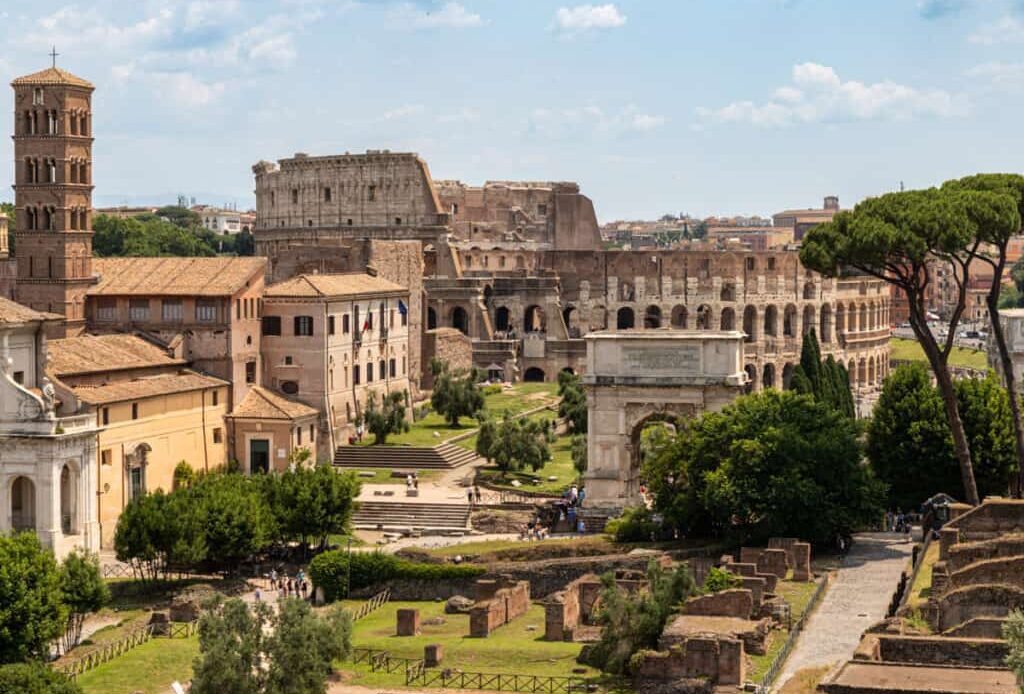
(495, 550)
(921, 590)
(149, 668)
(797, 594)
(917, 623)
(805, 681)
(759, 664)
(560, 466)
(513, 648)
(910, 350)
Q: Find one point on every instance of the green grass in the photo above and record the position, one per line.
(759, 664)
(922, 588)
(797, 595)
(509, 649)
(910, 350)
(560, 466)
(149, 668)
(488, 549)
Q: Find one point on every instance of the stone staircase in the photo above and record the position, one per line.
(411, 516)
(444, 456)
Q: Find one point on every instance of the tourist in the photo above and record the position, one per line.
(273, 579)
(476, 491)
(257, 595)
(581, 526)
(359, 431)
(571, 515)
(583, 495)
(573, 495)
(469, 495)
(415, 480)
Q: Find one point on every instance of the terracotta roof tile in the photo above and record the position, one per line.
(149, 386)
(99, 353)
(262, 403)
(13, 312)
(351, 284)
(52, 75)
(221, 276)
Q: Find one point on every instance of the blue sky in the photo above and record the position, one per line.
(700, 106)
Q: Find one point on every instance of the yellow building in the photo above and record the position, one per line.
(151, 413)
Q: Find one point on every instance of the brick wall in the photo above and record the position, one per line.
(738, 602)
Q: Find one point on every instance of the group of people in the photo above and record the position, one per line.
(296, 586)
(412, 481)
(473, 495)
(534, 530)
(897, 522)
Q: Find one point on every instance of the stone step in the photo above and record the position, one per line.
(411, 515)
(442, 457)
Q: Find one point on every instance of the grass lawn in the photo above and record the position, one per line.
(491, 550)
(149, 668)
(521, 397)
(798, 595)
(510, 649)
(922, 588)
(910, 350)
(805, 681)
(560, 466)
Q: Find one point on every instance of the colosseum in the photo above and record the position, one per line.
(518, 267)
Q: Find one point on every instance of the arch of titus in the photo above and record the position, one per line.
(633, 377)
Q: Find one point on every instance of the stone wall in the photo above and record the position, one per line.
(962, 554)
(498, 602)
(402, 263)
(958, 606)
(942, 650)
(738, 602)
(978, 628)
(1008, 570)
(720, 660)
(448, 345)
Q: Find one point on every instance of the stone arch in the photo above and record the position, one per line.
(680, 317)
(750, 323)
(809, 320)
(808, 291)
(771, 321)
(789, 321)
(862, 372)
(652, 317)
(768, 379)
(571, 316)
(534, 320)
(840, 319)
(136, 464)
(23, 504)
(728, 320)
(431, 318)
(851, 318)
(728, 292)
(851, 372)
(863, 323)
(871, 370)
(751, 378)
(460, 320)
(624, 319)
(825, 324)
(705, 317)
(69, 499)
(787, 376)
(534, 375)
(502, 318)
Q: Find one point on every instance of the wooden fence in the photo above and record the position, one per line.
(136, 637)
(377, 601)
(794, 633)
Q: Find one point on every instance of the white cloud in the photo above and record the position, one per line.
(999, 75)
(565, 121)
(185, 89)
(1006, 30)
(818, 95)
(201, 13)
(464, 115)
(572, 20)
(451, 15)
(70, 26)
(403, 111)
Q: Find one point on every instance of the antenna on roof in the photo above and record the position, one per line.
(901, 186)
(53, 55)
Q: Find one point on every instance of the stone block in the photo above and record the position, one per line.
(742, 568)
(756, 586)
(770, 581)
(750, 555)
(802, 562)
(738, 602)
(773, 561)
(786, 544)
(433, 654)
(408, 622)
(731, 662)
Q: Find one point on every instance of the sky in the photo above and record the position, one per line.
(653, 106)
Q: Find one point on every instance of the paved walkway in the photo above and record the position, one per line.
(858, 597)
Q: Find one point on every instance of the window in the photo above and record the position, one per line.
(136, 482)
(298, 436)
(344, 325)
(238, 308)
(218, 435)
(216, 398)
(751, 264)
(327, 194)
(250, 372)
(106, 308)
(350, 221)
(172, 310)
(138, 309)
(369, 372)
(371, 193)
(37, 96)
(311, 433)
(303, 326)
(106, 457)
(135, 410)
(206, 310)
(290, 387)
(771, 263)
(19, 377)
(330, 325)
(295, 195)
(355, 374)
(398, 221)
(369, 319)
(391, 368)
(382, 369)
(542, 210)
(105, 415)
(271, 325)
(288, 360)
(405, 317)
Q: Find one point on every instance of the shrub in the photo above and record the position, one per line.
(330, 569)
(493, 389)
(634, 525)
(720, 579)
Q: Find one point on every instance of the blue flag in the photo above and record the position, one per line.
(402, 308)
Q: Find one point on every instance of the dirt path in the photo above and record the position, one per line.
(858, 597)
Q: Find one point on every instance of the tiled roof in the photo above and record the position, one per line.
(351, 284)
(52, 75)
(806, 213)
(99, 353)
(174, 276)
(140, 388)
(261, 403)
(13, 312)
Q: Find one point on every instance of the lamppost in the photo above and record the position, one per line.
(348, 567)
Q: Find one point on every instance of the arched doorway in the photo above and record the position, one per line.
(460, 320)
(705, 318)
(787, 376)
(652, 318)
(825, 329)
(768, 381)
(501, 318)
(679, 317)
(771, 321)
(789, 321)
(750, 323)
(624, 319)
(23, 504)
(728, 319)
(572, 321)
(534, 375)
(534, 320)
(135, 470)
(68, 500)
(751, 378)
(431, 319)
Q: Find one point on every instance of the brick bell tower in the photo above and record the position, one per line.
(53, 194)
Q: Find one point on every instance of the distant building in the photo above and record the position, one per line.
(331, 340)
(126, 212)
(802, 221)
(266, 427)
(218, 220)
(1013, 331)
(756, 238)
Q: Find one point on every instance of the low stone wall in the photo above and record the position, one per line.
(993, 517)
(738, 602)
(978, 628)
(958, 606)
(498, 602)
(720, 660)
(773, 561)
(1007, 570)
(562, 611)
(756, 586)
(942, 650)
(964, 554)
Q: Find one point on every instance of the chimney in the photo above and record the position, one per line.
(832, 202)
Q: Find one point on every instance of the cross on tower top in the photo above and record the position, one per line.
(53, 55)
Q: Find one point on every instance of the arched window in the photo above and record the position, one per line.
(652, 317)
(68, 501)
(808, 319)
(624, 319)
(705, 317)
(23, 504)
(751, 378)
(787, 376)
(728, 292)
(771, 321)
(502, 319)
(825, 329)
(789, 321)
(728, 319)
(534, 319)
(679, 317)
(460, 320)
(769, 376)
(750, 323)
(431, 319)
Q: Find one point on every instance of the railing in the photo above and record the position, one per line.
(135, 637)
(905, 587)
(794, 634)
(497, 682)
(377, 601)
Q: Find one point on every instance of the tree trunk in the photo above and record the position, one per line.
(1011, 389)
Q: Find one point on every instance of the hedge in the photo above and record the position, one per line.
(329, 571)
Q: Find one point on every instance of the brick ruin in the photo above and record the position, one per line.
(976, 582)
(498, 602)
(568, 614)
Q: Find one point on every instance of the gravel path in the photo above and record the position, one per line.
(858, 597)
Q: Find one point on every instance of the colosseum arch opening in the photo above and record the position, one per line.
(652, 317)
(679, 317)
